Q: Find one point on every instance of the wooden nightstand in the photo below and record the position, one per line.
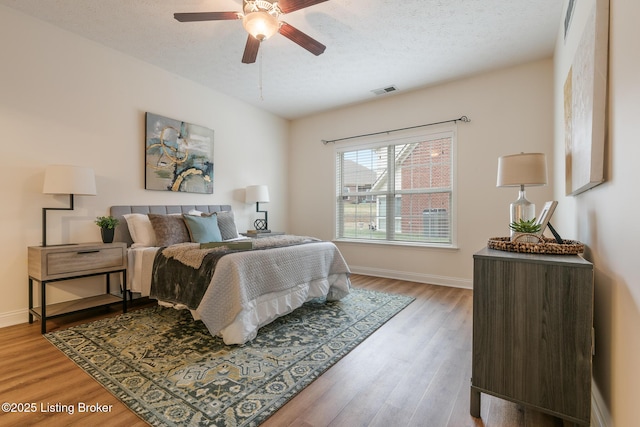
(56, 263)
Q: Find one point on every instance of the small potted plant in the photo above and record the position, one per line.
(107, 226)
(525, 231)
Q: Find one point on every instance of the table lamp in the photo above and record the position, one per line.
(520, 170)
(65, 179)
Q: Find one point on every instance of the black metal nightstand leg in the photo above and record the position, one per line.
(124, 291)
(43, 307)
(30, 300)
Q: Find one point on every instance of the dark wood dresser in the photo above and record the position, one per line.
(533, 332)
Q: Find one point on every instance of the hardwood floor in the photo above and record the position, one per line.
(413, 371)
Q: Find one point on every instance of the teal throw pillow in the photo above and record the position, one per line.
(203, 229)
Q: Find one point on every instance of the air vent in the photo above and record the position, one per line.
(384, 90)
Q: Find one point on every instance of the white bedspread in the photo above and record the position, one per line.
(301, 272)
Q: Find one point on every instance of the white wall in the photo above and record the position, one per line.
(606, 217)
(67, 100)
(511, 111)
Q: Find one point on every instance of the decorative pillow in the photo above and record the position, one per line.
(203, 229)
(141, 230)
(227, 224)
(169, 229)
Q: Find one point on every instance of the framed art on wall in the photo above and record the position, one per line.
(178, 155)
(585, 91)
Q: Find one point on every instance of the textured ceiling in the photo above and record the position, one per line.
(371, 44)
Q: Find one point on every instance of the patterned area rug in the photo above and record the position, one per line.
(170, 371)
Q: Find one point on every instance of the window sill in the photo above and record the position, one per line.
(404, 244)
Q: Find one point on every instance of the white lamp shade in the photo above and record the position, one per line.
(522, 169)
(260, 25)
(65, 179)
(257, 193)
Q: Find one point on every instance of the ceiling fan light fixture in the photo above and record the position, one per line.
(260, 18)
(260, 25)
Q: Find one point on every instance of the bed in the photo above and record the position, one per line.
(236, 291)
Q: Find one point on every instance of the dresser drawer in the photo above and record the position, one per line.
(83, 260)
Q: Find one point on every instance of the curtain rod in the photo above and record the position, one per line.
(461, 119)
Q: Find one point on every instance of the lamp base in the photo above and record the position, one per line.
(260, 224)
(44, 220)
(521, 210)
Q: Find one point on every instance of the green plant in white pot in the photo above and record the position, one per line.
(525, 231)
(107, 226)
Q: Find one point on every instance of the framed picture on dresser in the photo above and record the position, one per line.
(545, 215)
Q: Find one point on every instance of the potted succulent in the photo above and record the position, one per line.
(526, 231)
(107, 226)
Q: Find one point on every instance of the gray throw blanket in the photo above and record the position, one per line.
(182, 273)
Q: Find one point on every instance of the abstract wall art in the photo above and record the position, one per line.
(179, 156)
(585, 96)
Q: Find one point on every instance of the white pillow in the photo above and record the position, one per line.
(141, 230)
(194, 212)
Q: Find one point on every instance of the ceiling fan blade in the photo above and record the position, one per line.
(251, 50)
(288, 6)
(207, 16)
(301, 39)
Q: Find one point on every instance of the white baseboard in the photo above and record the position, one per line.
(454, 282)
(600, 416)
(11, 318)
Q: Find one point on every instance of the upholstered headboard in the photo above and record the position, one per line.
(122, 230)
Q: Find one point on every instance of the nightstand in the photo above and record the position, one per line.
(51, 264)
(262, 235)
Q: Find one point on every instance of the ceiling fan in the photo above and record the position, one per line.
(260, 19)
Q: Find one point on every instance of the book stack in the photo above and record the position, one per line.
(254, 232)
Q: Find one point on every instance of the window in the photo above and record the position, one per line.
(397, 190)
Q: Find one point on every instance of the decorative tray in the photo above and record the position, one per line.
(545, 245)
